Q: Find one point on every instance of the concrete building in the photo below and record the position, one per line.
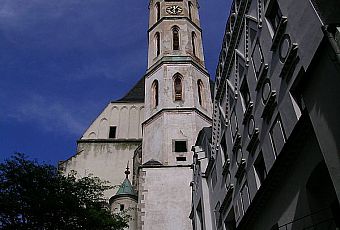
(155, 124)
(272, 160)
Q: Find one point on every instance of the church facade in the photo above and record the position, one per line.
(154, 125)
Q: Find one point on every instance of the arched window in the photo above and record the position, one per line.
(200, 88)
(175, 38)
(178, 87)
(190, 7)
(193, 43)
(158, 11)
(155, 95)
(158, 43)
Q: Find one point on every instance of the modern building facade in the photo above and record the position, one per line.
(272, 161)
(154, 125)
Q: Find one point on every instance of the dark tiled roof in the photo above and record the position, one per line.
(136, 94)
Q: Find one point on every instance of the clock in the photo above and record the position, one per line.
(174, 10)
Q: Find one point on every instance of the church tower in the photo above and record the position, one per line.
(177, 106)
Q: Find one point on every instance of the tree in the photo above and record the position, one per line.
(37, 196)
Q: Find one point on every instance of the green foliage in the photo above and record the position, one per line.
(37, 196)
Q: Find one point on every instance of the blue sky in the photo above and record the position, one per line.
(62, 61)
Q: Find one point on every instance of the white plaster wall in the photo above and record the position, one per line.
(175, 125)
(130, 207)
(166, 200)
(104, 160)
(126, 116)
(164, 75)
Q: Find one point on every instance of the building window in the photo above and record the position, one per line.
(190, 8)
(155, 94)
(175, 38)
(193, 43)
(158, 11)
(178, 87)
(158, 44)
(112, 133)
(200, 88)
(260, 170)
(180, 146)
(244, 90)
(121, 207)
(274, 15)
(181, 159)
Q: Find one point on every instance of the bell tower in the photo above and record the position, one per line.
(177, 106)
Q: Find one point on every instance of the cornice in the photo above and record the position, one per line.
(174, 18)
(160, 112)
(175, 60)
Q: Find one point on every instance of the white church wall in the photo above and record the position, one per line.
(127, 117)
(171, 124)
(167, 202)
(105, 157)
(165, 78)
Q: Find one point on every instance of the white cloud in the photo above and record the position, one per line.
(49, 115)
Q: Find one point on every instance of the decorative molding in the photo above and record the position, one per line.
(262, 76)
(226, 166)
(227, 199)
(254, 140)
(279, 33)
(240, 169)
(248, 112)
(270, 106)
(237, 142)
(291, 62)
(210, 166)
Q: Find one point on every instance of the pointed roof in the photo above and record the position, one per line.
(136, 94)
(126, 188)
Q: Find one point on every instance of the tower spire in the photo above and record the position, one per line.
(127, 171)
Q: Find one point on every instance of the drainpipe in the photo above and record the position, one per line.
(331, 38)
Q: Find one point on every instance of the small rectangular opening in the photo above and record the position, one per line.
(180, 146)
(112, 133)
(121, 207)
(181, 158)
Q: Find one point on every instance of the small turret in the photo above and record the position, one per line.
(125, 200)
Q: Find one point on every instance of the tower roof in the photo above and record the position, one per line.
(136, 94)
(126, 188)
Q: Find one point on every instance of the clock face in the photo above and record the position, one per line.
(174, 10)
